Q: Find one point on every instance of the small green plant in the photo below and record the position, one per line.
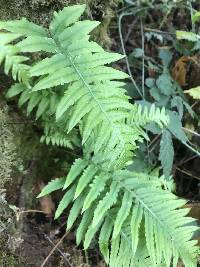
(162, 77)
(138, 220)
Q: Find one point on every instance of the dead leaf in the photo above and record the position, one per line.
(195, 213)
(179, 71)
(194, 210)
(47, 204)
(152, 73)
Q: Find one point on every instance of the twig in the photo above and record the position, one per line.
(130, 30)
(164, 19)
(62, 254)
(52, 251)
(124, 51)
(30, 211)
(86, 259)
(159, 31)
(154, 140)
(188, 173)
(191, 148)
(191, 15)
(143, 57)
(190, 131)
(194, 104)
(186, 160)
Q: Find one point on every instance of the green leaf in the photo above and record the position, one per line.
(6, 38)
(85, 178)
(52, 186)
(96, 188)
(23, 27)
(189, 36)
(137, 53)
(150, 82)
(122, 213)
(65, 17)
(36, 44)
(75, 211)
(177, 102)
(165, 55)
(104, 238)
(166, 155)
(165, 85)
(15, 89)
(175, 127)
(196, 17)
(34, 100)
(76, 169)
(136, 219)
(105, 204)
(90, 234)
(43, 105)
(194, 92)
(83, 226)
(65, 201)
(24, 97)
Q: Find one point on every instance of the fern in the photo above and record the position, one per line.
(72, 92)
(12, 61)
(56, 134)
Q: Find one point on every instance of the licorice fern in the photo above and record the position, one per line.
(138, 221)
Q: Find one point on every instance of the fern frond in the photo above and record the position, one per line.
(167, 231)
(52, 186)
(56, 134)
(139, 222)
(13, 62)
(145, 114)
(85, 74)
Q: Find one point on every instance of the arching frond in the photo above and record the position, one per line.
(139, 202)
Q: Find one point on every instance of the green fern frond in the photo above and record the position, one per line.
(84, 73)
(136, 200)
(56, 134)
(139, 223)
(144, 114)
(52, 186)
(13, 62)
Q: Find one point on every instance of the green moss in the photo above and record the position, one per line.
(9, 260)
(41, 11)
(7, 232)
(8, 155)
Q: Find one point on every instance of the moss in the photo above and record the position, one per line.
(8, 155)
(8, 241)
(40, 11)
(9, 260)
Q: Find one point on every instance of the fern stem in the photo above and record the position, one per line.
(124, 51)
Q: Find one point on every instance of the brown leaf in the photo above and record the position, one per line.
(194, 210)
(152, 73)
(47, 204)
(195, 213)
(179, 71)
